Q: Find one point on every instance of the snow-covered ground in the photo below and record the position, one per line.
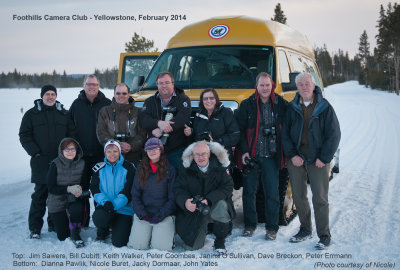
(364, 213)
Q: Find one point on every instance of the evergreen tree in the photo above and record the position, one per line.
(279, 16)
(140, 44)
(388, 42)
(363, 53)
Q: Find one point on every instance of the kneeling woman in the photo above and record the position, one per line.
(66, 202)
(111, 187)
(153, 200)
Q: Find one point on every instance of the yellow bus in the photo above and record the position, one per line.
(226, 54)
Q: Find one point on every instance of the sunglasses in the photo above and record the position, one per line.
(121, 93)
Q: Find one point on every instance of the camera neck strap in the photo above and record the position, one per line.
(129, 122)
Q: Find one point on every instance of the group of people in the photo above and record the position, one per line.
(152, 175)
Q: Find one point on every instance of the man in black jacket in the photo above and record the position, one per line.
(205, 182)
(311, 137)
(84, 112)
(42, 129)
(260, 121)
(153, 119)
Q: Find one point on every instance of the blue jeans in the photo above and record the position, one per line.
(269, 175)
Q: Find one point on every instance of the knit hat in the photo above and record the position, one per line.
(112, 142)
(46, 88)
(153, 143)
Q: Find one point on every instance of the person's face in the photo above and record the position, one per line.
(264, 87)
(154, 154)
(112, 154)
(209, 101)
(306, 88)
(165, 86)
(121, 94)
(201, 155)
(91, 87)
(49, 98)
(70, 151)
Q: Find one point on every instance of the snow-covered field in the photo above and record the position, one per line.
(364, 212)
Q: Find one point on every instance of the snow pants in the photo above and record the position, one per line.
(38, 209)
(120, 225)
(145, 235)
(71, 218)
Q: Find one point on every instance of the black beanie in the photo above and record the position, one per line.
(46, 88)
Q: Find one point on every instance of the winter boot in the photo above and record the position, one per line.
(324, 242)
(302, 235)
(221, 231)
(75, 234)
(34, 235)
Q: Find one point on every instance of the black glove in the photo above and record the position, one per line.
(108, 207)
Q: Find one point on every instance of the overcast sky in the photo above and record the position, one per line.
(80, 46)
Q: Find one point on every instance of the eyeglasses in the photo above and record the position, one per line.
(121, 93)
(208, 98)
(164, 83)
(92, 84)
(70, 149)
(198, 155)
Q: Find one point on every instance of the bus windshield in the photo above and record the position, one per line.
(214, 66)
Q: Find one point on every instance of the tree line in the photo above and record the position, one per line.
(16, 79)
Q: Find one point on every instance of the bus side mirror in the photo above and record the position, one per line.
(137, 82)
(290, 86)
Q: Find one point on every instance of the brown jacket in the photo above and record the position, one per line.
(122, 119)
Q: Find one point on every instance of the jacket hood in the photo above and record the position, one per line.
(79, 152)
(215, 148)
(39, 105)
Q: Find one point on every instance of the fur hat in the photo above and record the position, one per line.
(215, 148)
(46, 88)
(112, 142)
(153, 143)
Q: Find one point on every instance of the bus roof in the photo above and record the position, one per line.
(242, 30)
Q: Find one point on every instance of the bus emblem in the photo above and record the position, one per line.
(218, 31)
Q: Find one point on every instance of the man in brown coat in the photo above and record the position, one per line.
(120, 121)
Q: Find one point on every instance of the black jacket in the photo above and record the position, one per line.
(248, 119)
(214, 185)
(221, 125)
(323, 130)
(152, 113)
(42, 129)
(85, 117)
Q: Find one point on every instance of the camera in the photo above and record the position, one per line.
(251, 163)
(202, 208)
(121, 137)
(71, 197)
(168, 113)
(204, 136)
(270, 133)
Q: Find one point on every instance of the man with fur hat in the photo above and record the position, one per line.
(203, 193)
(260, 121)
(42, 129)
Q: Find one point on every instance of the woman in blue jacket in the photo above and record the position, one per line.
(111, 187)
(153, 200)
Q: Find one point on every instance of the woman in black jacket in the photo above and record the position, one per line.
(65, 181)
(214, 122)
(153, 200)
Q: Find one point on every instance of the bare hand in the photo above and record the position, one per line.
(297, 161)
(187, 130)
(204, 202)
(189, 205)
(319, 163)
(125, 147)
(245, 155)
(166, 126)
(156, 133)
